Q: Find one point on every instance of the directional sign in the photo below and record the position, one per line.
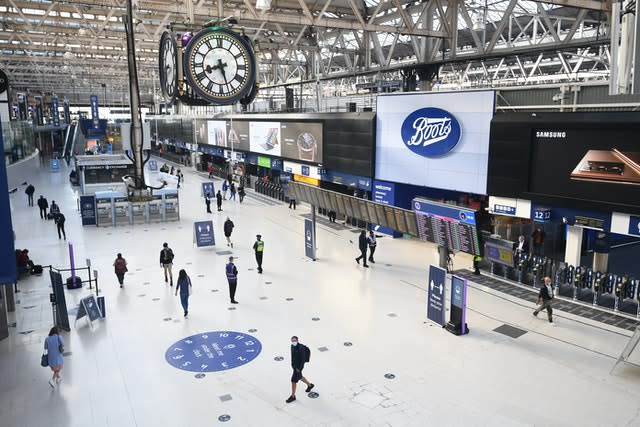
(213, 351)
(203, 233)
(309, 239)
(435, 295)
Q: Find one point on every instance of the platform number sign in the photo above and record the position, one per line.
(542, 215)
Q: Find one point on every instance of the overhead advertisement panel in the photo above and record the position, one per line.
(238, 134)
(302, 141)
(217, 133)
(438, 140)
(265, 138)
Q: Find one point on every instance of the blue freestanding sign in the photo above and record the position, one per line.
(309, 239)
(208, 188)
(153, 165)
(7, 250)
(203, 233)
(88, 209)
(435, 294)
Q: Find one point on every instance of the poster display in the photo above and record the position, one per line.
(435, 295)
(88, 210)
(217, 133)
(302, 141)
(8, 270)
(203, 233)
(438, 140)
(309, 239)
(238, 134)
(265, 138)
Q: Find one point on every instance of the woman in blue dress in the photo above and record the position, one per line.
(54, 345)
(184, 286)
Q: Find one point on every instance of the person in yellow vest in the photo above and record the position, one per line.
(258, 247)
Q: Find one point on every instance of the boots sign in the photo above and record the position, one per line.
(430, 132)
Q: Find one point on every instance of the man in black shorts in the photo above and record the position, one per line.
(299, 356)
(228, 229)
(166, 262)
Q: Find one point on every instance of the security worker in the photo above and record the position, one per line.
(232, 278)
(258, 247)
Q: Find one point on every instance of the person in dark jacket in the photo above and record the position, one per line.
(120, 268)
(228, 229)
(43, 204)
(362, 245)
(298, 359)
(60, 220)
(232, 277)
(166, 262)
(537, 238)
(207, 201)
(184, 286)
(55, 210)
(372, 242)
(29, 192)
(241, 192)
(232, 191)
(219, 200)
(546, 297)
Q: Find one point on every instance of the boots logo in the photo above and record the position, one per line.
(430, 132)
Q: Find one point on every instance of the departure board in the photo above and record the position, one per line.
(448, 226)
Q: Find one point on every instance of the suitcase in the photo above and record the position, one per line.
(37, 269)
(50, 215)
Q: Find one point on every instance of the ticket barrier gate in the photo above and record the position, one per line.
(121, 209)
(138, 213)
(171, 208)
(155, 209)
(104, 212)
(522, 262)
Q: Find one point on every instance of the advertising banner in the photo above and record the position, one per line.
(88, 210)
(7, 249)
(54, 111)
(238, 134)
(67, 112)
(217, 133)
(203, 233)
(384, 193)
(265, 138)
(302, 141)
(309, 239)
(95, 115)
(438, 140)
(435, 295)
(39, 111)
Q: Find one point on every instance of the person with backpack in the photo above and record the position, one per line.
(232, 277)
(228, 229)
(300, 354)
(29, 192)
(43, 204)
(60, 220)
(184, 286)
(166, 262)
(120, 266)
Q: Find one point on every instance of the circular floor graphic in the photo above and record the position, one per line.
(213, 351)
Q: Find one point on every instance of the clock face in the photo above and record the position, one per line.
(219, 65)
(168, 66)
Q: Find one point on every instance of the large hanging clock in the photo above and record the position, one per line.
(219, 65)
(168, 66)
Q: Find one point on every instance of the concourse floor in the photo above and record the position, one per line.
(116, 373)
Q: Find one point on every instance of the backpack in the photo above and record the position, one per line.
(120, 265)
(307, 353)
(168, 255)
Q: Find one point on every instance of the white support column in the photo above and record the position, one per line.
(573, 246)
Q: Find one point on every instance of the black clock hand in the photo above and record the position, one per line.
(221, 66)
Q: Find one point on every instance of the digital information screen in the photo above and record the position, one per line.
(499, 251)
(448, 226)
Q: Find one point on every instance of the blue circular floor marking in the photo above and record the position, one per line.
(224, 418)
(213, 351)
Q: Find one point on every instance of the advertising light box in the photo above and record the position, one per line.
(264, 137)
(238, 135)
(438, 140)
(302, 141)
(217, 133)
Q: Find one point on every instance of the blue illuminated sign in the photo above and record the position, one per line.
(462, 215)
(208, 188)
(304, 170)
(54, 111)
(435, 295)
(7, 269)
(634, 225)
(504, 209)
(203, 232)
(95, 116)
(542, 215)
(309, 239)
(213, 351)
(430, 132)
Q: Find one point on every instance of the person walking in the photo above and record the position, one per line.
(371, 241)
(210, 170)
(258, 247)
(166, 262)
(232, 191)
(219, 201)
(207, 201)
(299, 356)
(179, 175)
(546, 297)
(362, 245)
(54, 348)
(332, 215)
(43, 204)
(60, 220)
(184, 286)
(241, 193)
(120, 267)
(292, 202)
(232, 277)
(228, 229)
(29, 192)
(225, 188)
(54, 210)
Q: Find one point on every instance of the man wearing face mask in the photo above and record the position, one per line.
(299, 356)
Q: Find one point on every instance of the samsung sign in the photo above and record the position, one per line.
(434, 139)
(430, 132)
